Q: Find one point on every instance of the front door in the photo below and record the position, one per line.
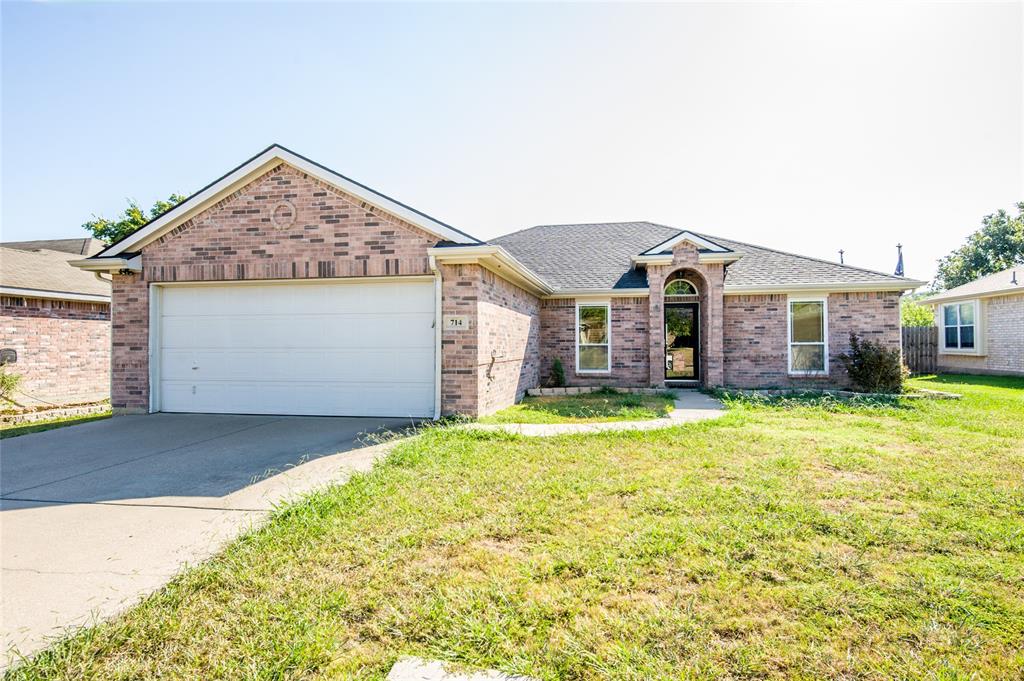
(682, 342)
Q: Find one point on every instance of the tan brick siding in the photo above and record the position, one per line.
(756, 337)
(1004, 339)
(63, 349)
(629, 346)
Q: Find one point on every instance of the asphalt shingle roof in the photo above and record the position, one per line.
(46, 270)
(599, 256)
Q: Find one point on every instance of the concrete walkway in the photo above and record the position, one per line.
(690, 406)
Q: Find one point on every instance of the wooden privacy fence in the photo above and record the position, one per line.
(920, 348)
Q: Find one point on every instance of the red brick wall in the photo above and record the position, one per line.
(508, 343)
(491, 362)
(460, 286)
(283, 225)
(63, 349)
(755, 336)
(629, 341)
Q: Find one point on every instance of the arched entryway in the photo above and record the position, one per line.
(682, 325)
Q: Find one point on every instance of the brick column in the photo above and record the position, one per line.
(656, 327)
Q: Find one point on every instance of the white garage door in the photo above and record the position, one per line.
(339, 349)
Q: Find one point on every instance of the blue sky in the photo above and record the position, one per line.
(807, 127)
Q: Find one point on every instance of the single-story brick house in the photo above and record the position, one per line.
(981, 325)
(285, 287)
(54, 323)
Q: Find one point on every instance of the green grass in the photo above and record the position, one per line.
(794, 541)
(589, 408)
(7, 431)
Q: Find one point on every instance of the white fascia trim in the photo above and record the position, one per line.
(494, 258)
(603, 293)
(667, 258)
(53, 295)
(861, 287)
(133, 264)
(260, 165)
(686, 236)
(943, 298)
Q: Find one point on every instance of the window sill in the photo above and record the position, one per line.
(807, 374)
(593, 372)
(968, 353)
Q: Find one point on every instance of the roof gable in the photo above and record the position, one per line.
(703, 244)
(259, 165)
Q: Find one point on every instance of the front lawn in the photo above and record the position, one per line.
(587, 408)
(795, 541)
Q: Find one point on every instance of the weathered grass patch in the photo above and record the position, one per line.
(587, 408)
(778, 542)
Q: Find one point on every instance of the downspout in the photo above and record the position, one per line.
(437, 335)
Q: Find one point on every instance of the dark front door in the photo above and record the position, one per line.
(682, 342)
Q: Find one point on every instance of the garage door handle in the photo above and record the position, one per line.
(194, 368)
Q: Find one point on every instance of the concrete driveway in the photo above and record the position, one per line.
(96, 515)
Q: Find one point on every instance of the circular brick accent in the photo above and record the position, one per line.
(283, 215)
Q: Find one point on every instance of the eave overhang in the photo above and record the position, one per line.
(704, 258)
(818, 287)
(53, 295)
(131, 263)
(495, 259)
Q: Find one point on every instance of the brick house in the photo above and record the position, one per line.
(285, 287)
(981, 325)
(54, 323)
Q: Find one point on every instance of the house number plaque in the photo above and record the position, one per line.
(453, 322)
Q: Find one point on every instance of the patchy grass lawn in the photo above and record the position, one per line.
(589, 408)
(798, 541)
(7, 431)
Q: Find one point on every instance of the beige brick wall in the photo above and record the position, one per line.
(629, 342)
(63, 349)
(756, 353)
(1004, 339)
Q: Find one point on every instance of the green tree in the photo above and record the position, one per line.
(912, 313)
(109, 231)
(997, 246)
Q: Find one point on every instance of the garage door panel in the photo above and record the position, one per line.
(331, 349)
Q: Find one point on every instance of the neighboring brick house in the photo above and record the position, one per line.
(284, 287)
(981, 325)
(54, 323)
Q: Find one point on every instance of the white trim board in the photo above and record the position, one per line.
(259, 165)
(694, 239)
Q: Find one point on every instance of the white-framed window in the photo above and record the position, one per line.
(960, 326)
(807, 319)
(593, 337)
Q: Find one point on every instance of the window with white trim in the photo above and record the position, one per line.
(958, 321)
(593, 337)
(808, 336)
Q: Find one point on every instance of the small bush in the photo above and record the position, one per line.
(557, 374)
(8, 384)
(873, 368)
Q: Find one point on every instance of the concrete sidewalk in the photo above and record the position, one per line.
(99, 515)
(690, 406)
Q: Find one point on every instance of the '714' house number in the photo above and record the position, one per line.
(455, 322)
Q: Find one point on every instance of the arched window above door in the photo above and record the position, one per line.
(680, 287)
